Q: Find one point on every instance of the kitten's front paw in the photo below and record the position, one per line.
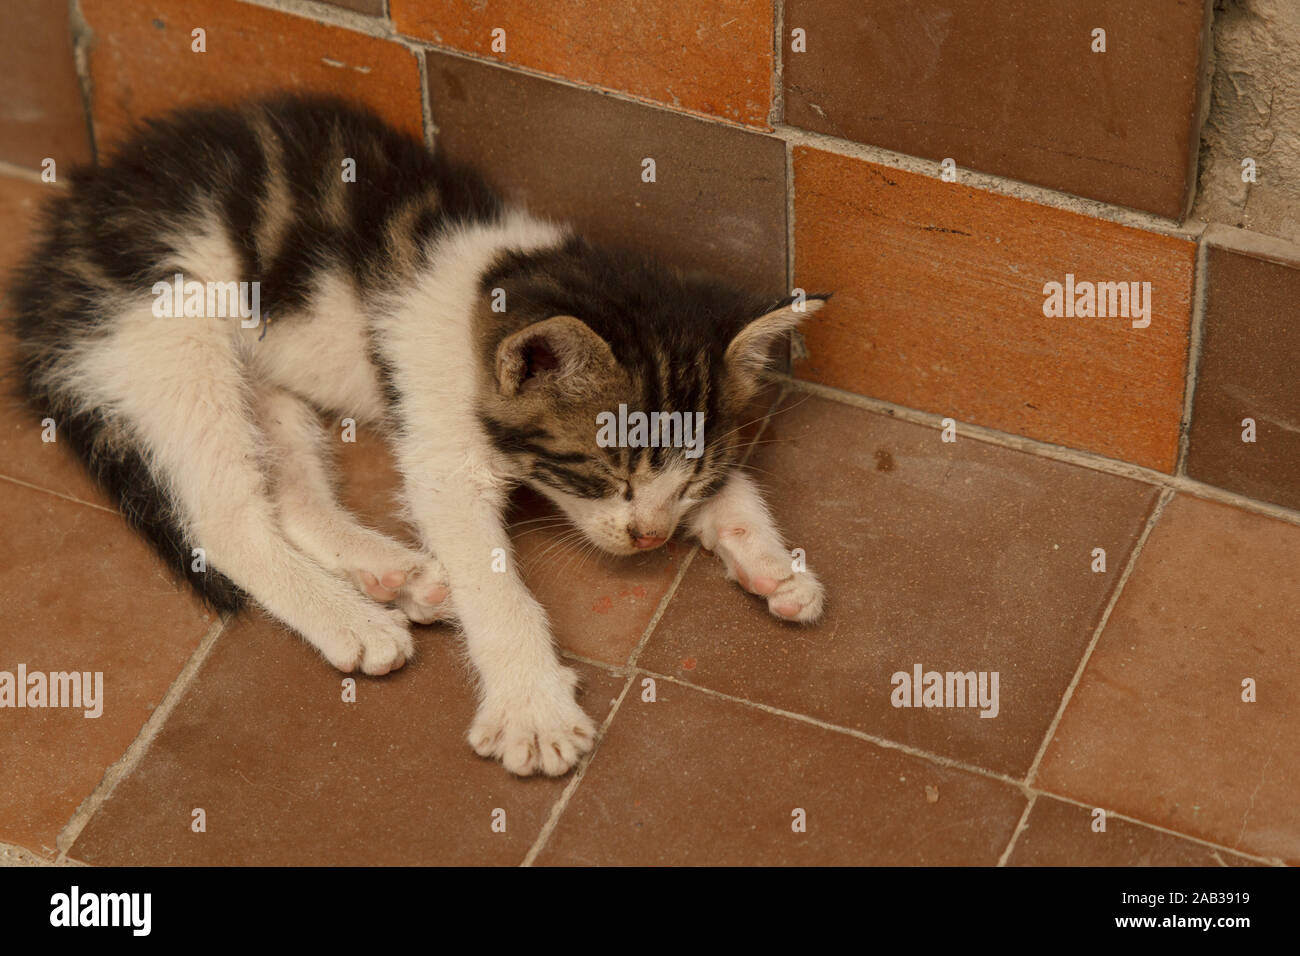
(799, 597)
(791, 595)
(542, 729)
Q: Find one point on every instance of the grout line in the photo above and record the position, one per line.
(1020, 828)
(988, 182)
(1129, 566)
(385, 30)
(562, 803)
(11, 854)
(81, 39)
(630, 668)
(619, 669)
(1033, 446)
(125, 764)
(950, 763)
(332, 16)
(59, 494)
(426, 108)
(26, 173)
(1195, 338)
(1116, 815)
(789, 217)
(776, 113)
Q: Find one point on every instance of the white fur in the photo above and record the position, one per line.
(226, 416)
(455, 489)
(736, 525)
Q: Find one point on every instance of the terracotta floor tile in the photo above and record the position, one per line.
(79, 592)
(939, 298)
(1012, 88)
(1061, 834)
(962, 557)
(692, 779)
(1248, 370)
(22, 453)
(649, 48)
(718, 200)
(289, 774)
(1157, 728)
(250, 50)
(41, 112)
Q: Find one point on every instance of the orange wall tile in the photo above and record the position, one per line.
(713, 58)
(939, 306)
(141, 61)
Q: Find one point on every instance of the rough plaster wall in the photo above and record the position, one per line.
(1254, 112)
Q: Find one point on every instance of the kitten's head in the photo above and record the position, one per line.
(618, 389)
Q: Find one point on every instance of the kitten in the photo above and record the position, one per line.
(371, 296)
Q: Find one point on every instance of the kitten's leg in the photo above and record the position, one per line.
(184, 392)
(527, 717)
(736, 525)
(312, 518)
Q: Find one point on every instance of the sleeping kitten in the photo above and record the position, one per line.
(403, 293)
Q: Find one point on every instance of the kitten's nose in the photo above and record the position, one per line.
(647, 541)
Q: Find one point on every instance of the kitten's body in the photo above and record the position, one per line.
(380, 295)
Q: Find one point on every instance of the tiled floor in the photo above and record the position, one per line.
(727, 737)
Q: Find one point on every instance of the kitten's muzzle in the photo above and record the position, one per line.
(647, 541)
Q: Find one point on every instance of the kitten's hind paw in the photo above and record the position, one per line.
(424, 595)
(375, 639)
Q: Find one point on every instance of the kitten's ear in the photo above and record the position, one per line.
(560, 352)
(750, 351)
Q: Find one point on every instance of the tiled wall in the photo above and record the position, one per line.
(802, 143)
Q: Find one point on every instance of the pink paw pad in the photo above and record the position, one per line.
(370, 584)
(787, 609)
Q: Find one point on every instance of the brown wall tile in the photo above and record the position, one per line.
(718, 201)
(1011, 88)
(41, 113)
(141, 61)
(711, 58)
(1248, 369)
(939, 306)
